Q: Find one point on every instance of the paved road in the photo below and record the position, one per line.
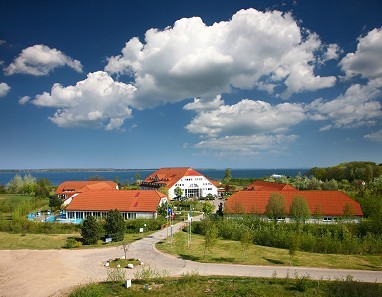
(53, 272)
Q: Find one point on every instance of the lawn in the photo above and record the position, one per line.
(196, 286)
(227, 251)
(11, 241)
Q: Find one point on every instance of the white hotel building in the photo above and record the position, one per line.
(192, 183)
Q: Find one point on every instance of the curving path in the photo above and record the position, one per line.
(54, 272)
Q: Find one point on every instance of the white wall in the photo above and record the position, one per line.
(205, 186)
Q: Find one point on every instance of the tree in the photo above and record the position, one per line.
(163, 190)
(178, 192)
(299, 209)
(96, 177)
(246, 241)
(275, 207)
(55, 202)
(208, 208)
(115, 225)
(43, 188)
(91, 230)
(162, 209)
(126, 246)
(227, 176)
(220, 212)
(210, 237)
(15, 185)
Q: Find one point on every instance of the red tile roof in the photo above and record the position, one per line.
(170, 176)
(259, 185)
(127, 201)
(330, 203)
(71, 187)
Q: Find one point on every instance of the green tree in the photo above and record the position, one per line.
(275, 207)
(299, 209)
(220, 212)
(208, 208)
(115, 225)
(15, 185)
(227, 176)
(178, 192)
(163, 190)
(162, 209)
(91, 230)
(43, 188)
(210, 237)
(246, 241)
(55, 202)
(29, 184)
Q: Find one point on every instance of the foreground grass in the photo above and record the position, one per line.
(11, 241)
(227, 251)
(194, 285)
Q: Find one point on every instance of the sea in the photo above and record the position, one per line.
(128, 176)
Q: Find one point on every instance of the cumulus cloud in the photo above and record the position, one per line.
(248, 126)
(246, 145)
(200, 105)
(247, 117)
(360, 105)
(4, 89)
(254, 49)
(97, 101)
(24, 100)
(375, 136)
(367, 60)
(357, 107)
(39, 60)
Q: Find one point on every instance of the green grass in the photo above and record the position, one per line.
(123, 262)
(227, 251)
(196, 286)
(11, 241)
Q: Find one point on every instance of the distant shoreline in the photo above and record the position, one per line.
(125, 170)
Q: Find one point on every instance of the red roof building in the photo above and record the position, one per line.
(260, 185)
(326, 204)
(192, 183)
(131, 203)
(68, 188)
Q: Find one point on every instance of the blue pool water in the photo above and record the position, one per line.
(57, 219)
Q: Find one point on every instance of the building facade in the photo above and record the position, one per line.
(192, 183)
(132, 204)
(324, 206)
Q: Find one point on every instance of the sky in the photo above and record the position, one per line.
(204, 84)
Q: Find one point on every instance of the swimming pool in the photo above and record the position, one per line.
(57, 219)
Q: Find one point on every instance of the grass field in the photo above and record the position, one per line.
(196, 286)
(10, 241)
(227, 251)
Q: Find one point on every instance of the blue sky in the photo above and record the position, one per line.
(206, 84)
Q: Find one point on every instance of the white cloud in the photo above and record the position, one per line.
(97, 101)
(247, 117)
(246, 145)
(39, 60)
(24, 100)
(4, 89)
(247, 126)
(367, 60)
(199, 104)
(359, 106)
(254, 49)
(375, 136)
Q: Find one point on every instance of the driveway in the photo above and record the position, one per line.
(54, 272)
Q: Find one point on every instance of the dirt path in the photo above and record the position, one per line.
(54, 272)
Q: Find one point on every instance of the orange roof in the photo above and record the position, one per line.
(71, 187)
(259, 185)
(170, 176)
(330, 203)
(127, 201)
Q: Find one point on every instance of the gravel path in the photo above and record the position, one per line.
(54, 272)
